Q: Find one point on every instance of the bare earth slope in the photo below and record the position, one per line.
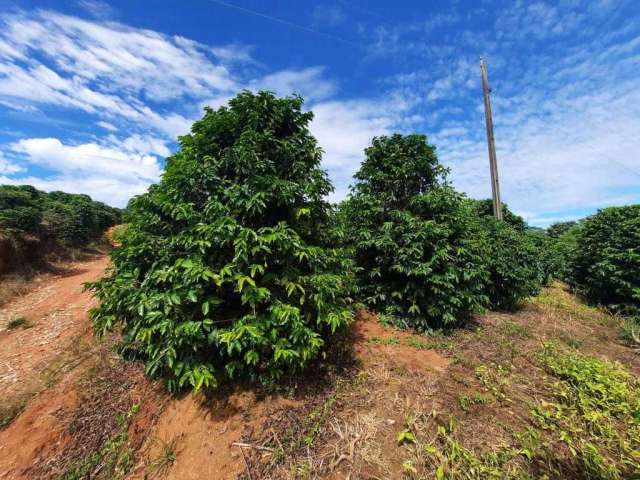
(390, 405)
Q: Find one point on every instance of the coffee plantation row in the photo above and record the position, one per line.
(235, 265)
(70, 219)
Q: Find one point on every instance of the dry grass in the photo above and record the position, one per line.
(12, 286)
(472, 421)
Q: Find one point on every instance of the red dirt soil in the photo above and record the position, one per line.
(204, 429)
(58, 311)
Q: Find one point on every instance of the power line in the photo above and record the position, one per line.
(285, 22)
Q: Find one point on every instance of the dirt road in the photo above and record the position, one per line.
(56, 314)
(38, 354)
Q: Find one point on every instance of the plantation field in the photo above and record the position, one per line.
(547, 390)
(245, 327)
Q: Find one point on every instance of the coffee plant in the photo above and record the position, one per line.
(606, 266)
(418, 249)
(514, 259)
(484, 208)
(562, 249)
(225, 269)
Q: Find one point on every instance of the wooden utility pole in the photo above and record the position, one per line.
(493, 163)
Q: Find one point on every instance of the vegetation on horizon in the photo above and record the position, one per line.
(71, 219)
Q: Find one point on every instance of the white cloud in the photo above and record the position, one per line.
(110, 173)
(309, 82)
(107, 126)
(7, 167)
(345, 128)
(97, 8)
(89, 159)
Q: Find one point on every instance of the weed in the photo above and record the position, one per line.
(571, 341)
(450, 459)
(384, 340)
(8, 413)
(115, 458)
(514, 329)
(441, 345)
(495, 378)
(19, 322)
(477, 398)
(167, 456)
(630, 331)
(596, 414)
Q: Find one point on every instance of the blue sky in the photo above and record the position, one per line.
(93, 94)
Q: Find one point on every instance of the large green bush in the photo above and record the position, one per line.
(224, 269)
(562, 248)
(415, 240)
(606, 267)
(515, 263)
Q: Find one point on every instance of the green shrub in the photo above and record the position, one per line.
(71, 219)
(558, 229)
(606, 267)
(516, 270)
(414, 239)
(484, 208)
(75, 219)
(223, 271)
(561, 251)
(19, 209)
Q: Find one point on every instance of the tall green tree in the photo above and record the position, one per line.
(414, 239)
(224, 270)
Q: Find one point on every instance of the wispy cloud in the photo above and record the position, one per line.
(149, 86)
(565, 102)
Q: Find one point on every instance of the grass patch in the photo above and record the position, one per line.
(114, 459)
(476, 398)
(165, 459)
(514, 329)
(19, 322)
(630, 331)
(439, 345)
(596, 412)
(9, 412)
(384, 340)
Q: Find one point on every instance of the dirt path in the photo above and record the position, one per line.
(37, 355)
(56, 314)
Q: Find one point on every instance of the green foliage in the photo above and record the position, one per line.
(561, 250)
(414, 239)
(514, 263)
(597, 414)
(69, 218)
(558, 229)
(484, 208)
(19, 322)
(223, 271)
(76, 219)
(20, 210)
(606, 267)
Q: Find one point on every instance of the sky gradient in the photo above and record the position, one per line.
(93, 94)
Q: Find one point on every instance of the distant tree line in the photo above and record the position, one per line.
(71, 219)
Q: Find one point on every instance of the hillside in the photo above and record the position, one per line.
(484, 402)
